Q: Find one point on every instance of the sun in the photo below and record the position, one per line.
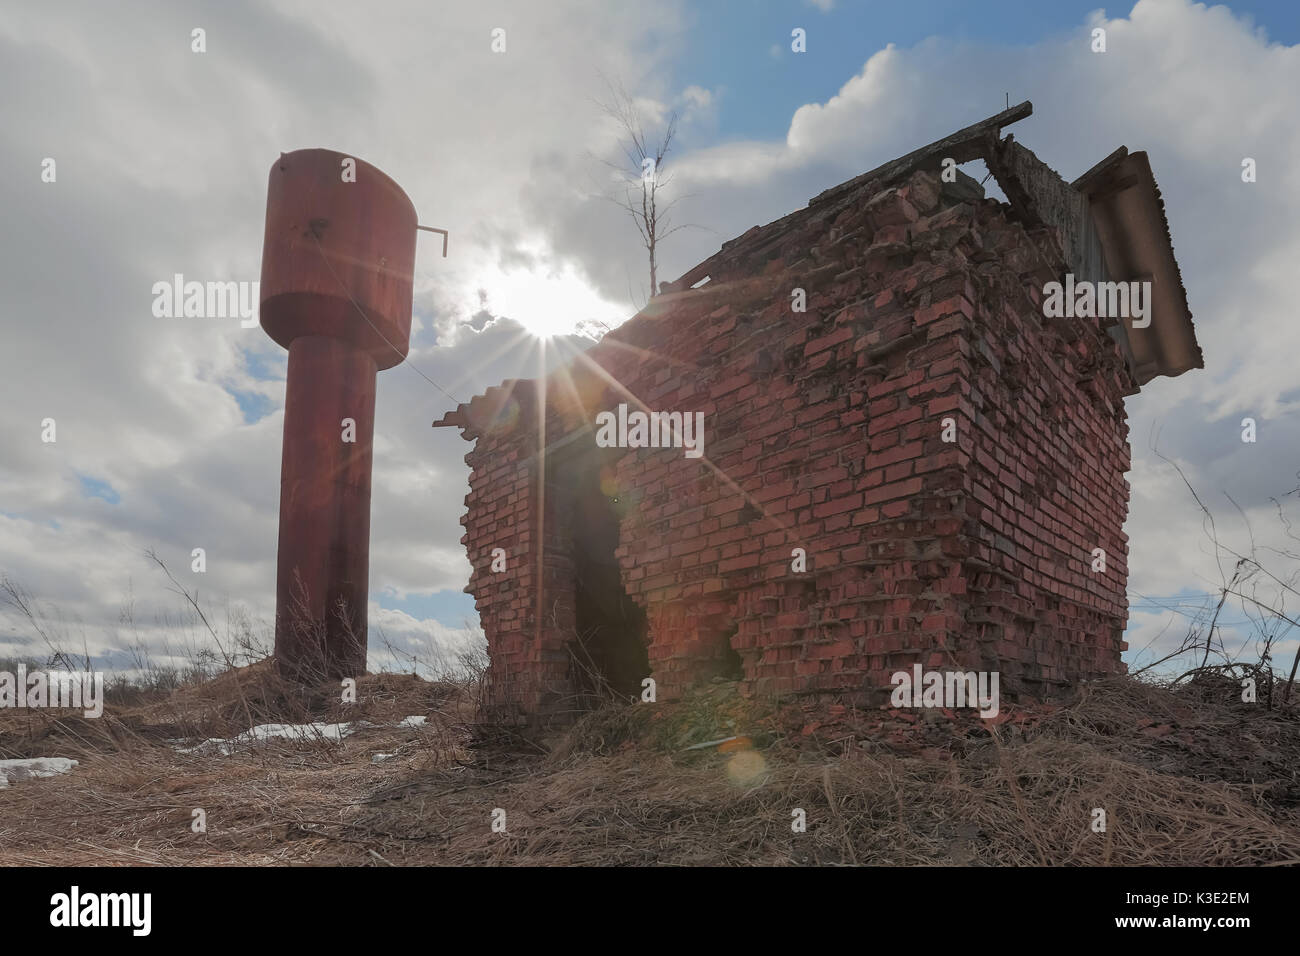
(548, 302)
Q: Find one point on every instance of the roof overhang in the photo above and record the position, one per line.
(1129, 217)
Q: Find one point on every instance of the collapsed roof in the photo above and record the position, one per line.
(1111, 223)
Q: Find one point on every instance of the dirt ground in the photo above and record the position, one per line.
(1184, 776)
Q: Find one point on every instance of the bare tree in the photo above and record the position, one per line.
(646, 153)
(1260, 590)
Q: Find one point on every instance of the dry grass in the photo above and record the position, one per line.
(1186, 776)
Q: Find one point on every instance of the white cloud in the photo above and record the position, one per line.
(697, 99)
(428, 648)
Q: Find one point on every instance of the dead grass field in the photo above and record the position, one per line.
(1186, 776)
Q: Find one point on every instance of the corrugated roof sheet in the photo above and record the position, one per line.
(1129, 215)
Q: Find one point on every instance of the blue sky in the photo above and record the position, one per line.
(729, 45)
(97, 488)
(253, 404)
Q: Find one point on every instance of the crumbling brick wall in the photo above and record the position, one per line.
(825, 431)
(502, 532)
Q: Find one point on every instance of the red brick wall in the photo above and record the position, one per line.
(1046, 486)
(823, 431)
(528, 671)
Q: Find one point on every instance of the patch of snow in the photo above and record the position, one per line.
(380, 758)
(33, 767)
(296, 732)
(264, 732)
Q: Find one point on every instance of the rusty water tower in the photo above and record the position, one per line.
(338, 261)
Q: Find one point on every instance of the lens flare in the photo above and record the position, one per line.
(746, 767)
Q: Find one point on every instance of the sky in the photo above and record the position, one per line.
(169, 429)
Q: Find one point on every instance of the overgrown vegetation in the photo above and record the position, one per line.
(1186, 774)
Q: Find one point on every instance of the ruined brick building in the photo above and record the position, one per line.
(948, 457)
